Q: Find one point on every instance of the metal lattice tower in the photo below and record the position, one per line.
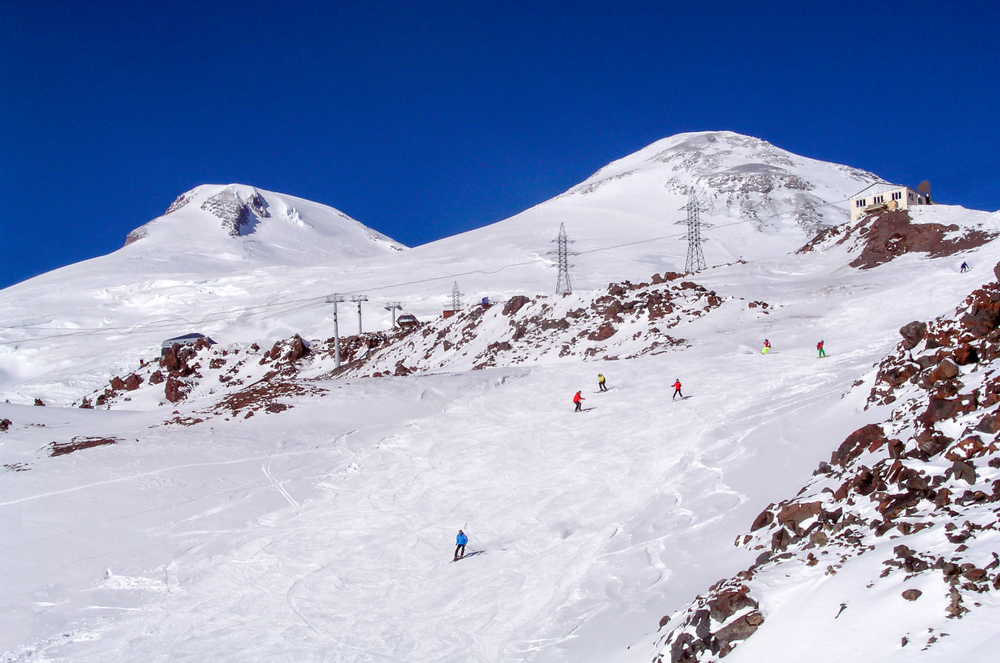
(358, 299)
(562, 253)
(393, 306)
(695, 257)
(456, 298)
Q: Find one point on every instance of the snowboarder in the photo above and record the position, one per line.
(964, 268)
(601, 381)
(677, 389)
(578, 399)
(460, 542)
(766, 348)
(819, 348)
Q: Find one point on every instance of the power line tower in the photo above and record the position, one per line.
(456, 298)
(393, 306)
(695, 257)
(335, 299)
(562, 253)
(359, 299)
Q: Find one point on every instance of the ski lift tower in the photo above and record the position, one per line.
(335, 299)
(393, 306)
(695, 257)
(359, 299)
(456, 298)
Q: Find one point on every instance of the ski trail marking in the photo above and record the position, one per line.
(266, 468)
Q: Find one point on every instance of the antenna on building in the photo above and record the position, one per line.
(359, 299)
(456, 298)
(562, 253)
(695, 257)
(393, 306)
(925, 188)
(335, 299)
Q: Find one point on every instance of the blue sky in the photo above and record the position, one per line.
(424, 120)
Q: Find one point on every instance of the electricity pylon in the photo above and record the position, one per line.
(562, 253)
(695, 257)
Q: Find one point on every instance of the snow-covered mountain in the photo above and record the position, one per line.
(249, 500)
(243, 264)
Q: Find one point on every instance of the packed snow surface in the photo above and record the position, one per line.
(326, 532)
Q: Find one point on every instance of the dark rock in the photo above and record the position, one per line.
(603, 333)
(132, 382)
(729, 602)
(989, 424)
(117, 384)
(963, 470)
(966, 354)
(39, 403)
(514, 304)
(780, 539)
(912, 594)
(156, 377)
(913, 333)
(5, 425)
(176, 389)
(792, 514)
(856, 443)
(740, 629)
(763, 520)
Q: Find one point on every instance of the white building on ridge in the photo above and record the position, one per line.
(889, 196)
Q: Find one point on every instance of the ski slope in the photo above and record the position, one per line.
(326, 532)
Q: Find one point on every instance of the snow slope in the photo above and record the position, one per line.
(324, 532)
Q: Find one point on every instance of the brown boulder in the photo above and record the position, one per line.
(946, 370)
(5, 424)
(791, 515)
(913, 333)
(156, 377)
(117, 383)
(856, 443)
(603, 333)
(763, 520)
(912, 594)
(514, 304)
(175, 389)
(729, 602)
(966, 354)
(132, 382)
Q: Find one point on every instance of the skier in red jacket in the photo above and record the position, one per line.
(578, 399)
(677, 389)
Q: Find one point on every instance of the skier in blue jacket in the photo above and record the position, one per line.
(460, 542)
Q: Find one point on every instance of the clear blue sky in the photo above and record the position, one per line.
(427, 119)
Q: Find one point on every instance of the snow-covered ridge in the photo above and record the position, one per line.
(742, 177)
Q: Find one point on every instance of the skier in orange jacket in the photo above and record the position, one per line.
(677, 389)
(578, 399)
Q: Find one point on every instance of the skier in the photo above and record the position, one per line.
(964, 268)
(460, 542)
(819, 348)
(677, 389)
(578, 399)
(601, 381)
(766, 348)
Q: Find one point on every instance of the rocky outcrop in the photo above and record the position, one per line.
(921, 490)
(239, 217)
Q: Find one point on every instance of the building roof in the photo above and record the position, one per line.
(185, 340)
(881, 187)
